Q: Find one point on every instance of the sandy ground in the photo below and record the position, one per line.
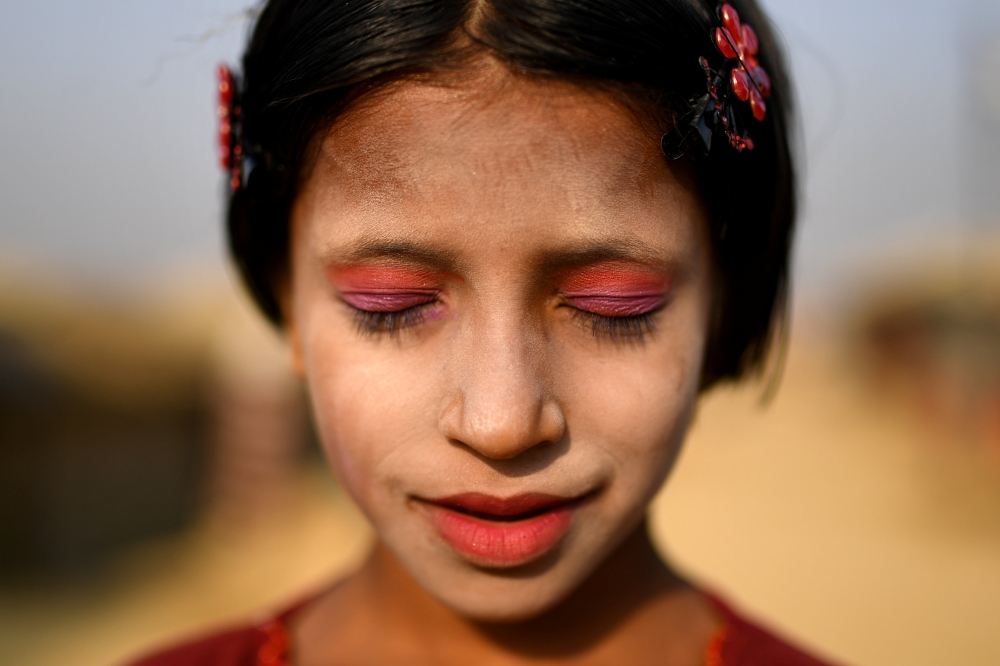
(831, 513)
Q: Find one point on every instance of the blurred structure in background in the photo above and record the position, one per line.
(933, 340)
(259, 422)
(101, 433)
(930, 325)
(121, 421)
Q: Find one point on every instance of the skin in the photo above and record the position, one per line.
(508, 197)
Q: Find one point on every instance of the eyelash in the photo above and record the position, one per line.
(371, 323)
(632, 328)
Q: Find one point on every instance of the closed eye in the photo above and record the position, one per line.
(389, 311)
(633, 328)
(616, 306)
(388, 300)
(627, 317)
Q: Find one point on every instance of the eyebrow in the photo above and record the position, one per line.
(549, 262)
(631, 251)
(386, 249)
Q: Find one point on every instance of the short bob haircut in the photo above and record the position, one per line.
(308, 59)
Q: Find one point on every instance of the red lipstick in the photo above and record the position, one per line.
(501, 532)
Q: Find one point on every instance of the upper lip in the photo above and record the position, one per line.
(517, 507)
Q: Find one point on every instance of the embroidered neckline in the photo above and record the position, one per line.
(274, 651)
(713, 651)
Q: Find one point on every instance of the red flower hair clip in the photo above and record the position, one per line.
(738, 41)
(747, 82)
(230, 126)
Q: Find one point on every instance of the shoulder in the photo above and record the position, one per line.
(233, 647)
(743, 642)
(264, 644)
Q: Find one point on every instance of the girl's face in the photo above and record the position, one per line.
(499, 301)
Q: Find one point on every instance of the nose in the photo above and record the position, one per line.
(500, 406)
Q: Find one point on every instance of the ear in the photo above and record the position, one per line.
(291, 330)
(295, 349)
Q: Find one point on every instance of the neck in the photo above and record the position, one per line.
(603, 611)
(632, 609)
(599, 609)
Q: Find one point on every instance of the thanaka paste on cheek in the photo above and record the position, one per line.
(614, 289)
(376, 288)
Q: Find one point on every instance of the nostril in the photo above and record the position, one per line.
(502, 432)
(552, 423)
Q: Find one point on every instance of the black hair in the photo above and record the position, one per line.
(307, 59)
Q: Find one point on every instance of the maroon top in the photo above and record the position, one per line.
(738, 642)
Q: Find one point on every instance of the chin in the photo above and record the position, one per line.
(508, 597)
(505, 594)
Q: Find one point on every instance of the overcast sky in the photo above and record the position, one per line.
(107, 132)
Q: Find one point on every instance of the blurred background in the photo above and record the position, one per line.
(157, 469)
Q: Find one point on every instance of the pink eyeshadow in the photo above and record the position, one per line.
(365, 277)
(614, 289)
(385, 288)
(387, 302)
(617, 307)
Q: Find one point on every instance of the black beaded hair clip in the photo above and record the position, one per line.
(747, 81)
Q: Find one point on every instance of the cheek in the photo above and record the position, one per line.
(333, 402)
(636, 404)
(363, 399)
(640, 410)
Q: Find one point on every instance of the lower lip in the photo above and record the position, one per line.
(501, 544)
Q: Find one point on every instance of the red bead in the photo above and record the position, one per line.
(225, 86)
(225, 140)
(740, 82)
(731, 19)
(224, 111)
(750, 43)
(225, 93)
(757, 105)
(762, 80)
(725, 43)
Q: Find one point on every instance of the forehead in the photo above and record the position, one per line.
(484, 146)
(489, 117)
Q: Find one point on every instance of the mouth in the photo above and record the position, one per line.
(496, 532)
